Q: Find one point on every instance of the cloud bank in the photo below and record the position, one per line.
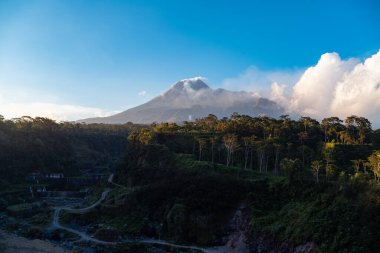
(258, 80)
(59, 112)
(336, 87)
(332, 87)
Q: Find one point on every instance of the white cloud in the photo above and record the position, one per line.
(314, 92)
(332, 87)
(255, 79)
(358, 92)
(17, 101)
(278, 94)
(142, 93)
(59, 112)
(336, 87)
(194, 79)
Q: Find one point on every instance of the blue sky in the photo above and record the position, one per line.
(102, 54)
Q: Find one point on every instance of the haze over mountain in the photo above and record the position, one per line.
(192, 98)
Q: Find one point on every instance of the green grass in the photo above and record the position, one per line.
(189, 162)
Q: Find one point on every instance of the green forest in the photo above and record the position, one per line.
(301, 180)
(297, 182)
(41, 145)
(305, 148)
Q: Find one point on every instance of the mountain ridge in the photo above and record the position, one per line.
(192, 98)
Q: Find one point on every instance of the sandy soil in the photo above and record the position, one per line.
(13, 244)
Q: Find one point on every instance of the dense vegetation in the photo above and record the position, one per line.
(42, 145)
(282, 146)
(303, 181)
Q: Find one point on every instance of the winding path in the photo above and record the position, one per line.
(161, 242)
(110, 180)
(84, 237)
(89, 208)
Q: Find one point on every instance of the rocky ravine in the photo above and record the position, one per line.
(242, 240)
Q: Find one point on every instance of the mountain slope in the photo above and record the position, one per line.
(189, 99)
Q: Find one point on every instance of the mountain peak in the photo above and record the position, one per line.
(195, 84)
(191, 99)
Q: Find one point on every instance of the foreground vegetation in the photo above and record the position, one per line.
(303, 181)
(300, 180)
(41, 145)
(193, 201)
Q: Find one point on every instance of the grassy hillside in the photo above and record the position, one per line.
(186, 200)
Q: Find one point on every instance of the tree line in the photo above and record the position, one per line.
(42, 145)
(332, 148)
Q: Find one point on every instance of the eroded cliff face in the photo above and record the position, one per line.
(267, 244)
(242, 239)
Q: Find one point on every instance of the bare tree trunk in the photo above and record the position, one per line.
(212, 153)
(276, 162)
(261, 160)
(317, 176)
(246, 154)
(303, 156)
(251, 159)
(228, 157)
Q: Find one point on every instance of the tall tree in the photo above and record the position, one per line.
(374, 161)
(329, 170)
(302, 137)
(213, 142)
(247, 146)
(316, 167)
(357, 164)
(277, 148)
(231, 144)
(290, 166)
(306, 121)
(332, 126)
(201, 144)
(364, 128)
(261, 154)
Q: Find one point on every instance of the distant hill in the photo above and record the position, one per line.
(189, 99)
